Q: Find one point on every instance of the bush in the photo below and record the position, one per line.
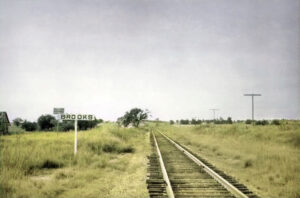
(248, 121)
(84, 124)
(248, 163)
(45, 164)
(17, 122)
(261, 122)
(117, 148)
(15, 129)
(172, 122)
(184, 122)
(229, 120)
(29, 126)
(275, 122)
(66, 125)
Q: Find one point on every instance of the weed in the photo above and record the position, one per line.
(50, 164)
(248, 163)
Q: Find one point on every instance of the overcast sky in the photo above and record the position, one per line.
(177, 58)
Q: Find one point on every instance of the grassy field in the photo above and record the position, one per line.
(111, 162)
(264, 158)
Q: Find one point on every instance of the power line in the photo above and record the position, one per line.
(252, 95)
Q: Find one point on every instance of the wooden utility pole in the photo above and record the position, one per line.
(252, 95)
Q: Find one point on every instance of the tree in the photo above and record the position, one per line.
(184, 122)
(275, 122)
(261, 122)
(68, 125)
(46, 122)
(248, 121)
(17, 122)
(85, 124)
(172, 122)
(194, 121)
(29, 126)
(229, 120)
(120, 121)
(135, 116)
(199, 121)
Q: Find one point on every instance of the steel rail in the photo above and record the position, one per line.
(164, 171)
(236, 192)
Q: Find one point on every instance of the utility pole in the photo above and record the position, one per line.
(252, 95)
(214, 112)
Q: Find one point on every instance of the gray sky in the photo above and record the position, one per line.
(178, 58)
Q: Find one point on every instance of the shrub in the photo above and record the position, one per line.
(15, 129)
(275, 122)
(17, 122)
(117, 148)
(29, 126)
(229, 120)
(248, 163)
(45, 164)
(66, 125)
(84, 124)
(261, 122)
(171, 122)
(184, 122)
(248, 121)
(193, 121)
(50, 164)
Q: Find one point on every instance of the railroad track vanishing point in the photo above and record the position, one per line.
(174, 171)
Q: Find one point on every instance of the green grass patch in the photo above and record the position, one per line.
(111, 162)
(264, 158)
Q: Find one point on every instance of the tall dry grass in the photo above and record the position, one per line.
(265, 158)
(109, 161)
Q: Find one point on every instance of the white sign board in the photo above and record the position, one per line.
(58, 110)
(77, 117)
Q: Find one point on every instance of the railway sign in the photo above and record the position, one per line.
(76, 117)
(58, 110)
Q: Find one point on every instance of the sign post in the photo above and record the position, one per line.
(75, 141)
(77, 117)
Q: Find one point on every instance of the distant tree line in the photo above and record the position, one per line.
(198, 121)
(223, 121)
(263, 122)
(50, 123)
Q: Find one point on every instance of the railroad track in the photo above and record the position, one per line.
(174, 171)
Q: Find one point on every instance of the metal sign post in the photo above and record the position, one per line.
(77, 117)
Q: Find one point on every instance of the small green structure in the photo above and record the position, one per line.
(4, 123)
